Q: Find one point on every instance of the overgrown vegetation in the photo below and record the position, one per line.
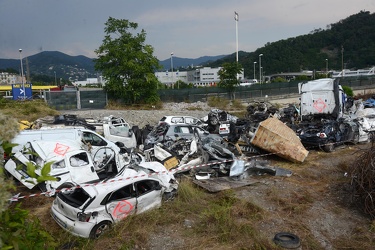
(18, 230)
(26, 110)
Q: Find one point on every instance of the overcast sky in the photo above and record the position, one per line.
(189, 29)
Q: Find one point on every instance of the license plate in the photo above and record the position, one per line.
(60, 222)
(224, 129)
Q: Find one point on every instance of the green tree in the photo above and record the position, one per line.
(127, 63)
(228, 76)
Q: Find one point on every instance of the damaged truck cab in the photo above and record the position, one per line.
(322, 97)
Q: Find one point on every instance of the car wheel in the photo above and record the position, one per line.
(214, 121)
(356, 138)
(329, 146)
(99, 229)
(287, 240)
(168, 196)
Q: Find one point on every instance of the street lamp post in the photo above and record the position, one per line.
(236, 19)
(326, 67)
(172, 68)
(260, 68)
(254, 69)
(23, 84)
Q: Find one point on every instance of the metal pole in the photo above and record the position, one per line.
(23, 84)
(236, 19)
(254, 69)
(172, 68)
(326, 67)
(260, 68)
(342, 58)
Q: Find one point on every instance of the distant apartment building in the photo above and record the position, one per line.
(200, 77)
(10, 78)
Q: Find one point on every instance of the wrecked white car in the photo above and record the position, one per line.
(89, 211)
(72, 164)
(115, 129)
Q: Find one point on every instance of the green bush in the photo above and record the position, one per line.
(348, 91)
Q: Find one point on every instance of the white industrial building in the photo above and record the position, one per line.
(90, 82)
(200, 77)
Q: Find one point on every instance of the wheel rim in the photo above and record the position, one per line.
(100, 230)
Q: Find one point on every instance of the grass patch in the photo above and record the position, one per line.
(218, 102)
(29, 110)
(216, 220)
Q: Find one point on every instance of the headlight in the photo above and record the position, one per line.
(60, 164)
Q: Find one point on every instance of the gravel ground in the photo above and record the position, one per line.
(141, 118)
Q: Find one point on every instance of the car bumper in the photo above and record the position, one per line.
(313, 141)
(77, 228)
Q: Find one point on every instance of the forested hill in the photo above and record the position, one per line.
(349, 43)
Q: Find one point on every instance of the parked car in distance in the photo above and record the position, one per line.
(89, 211)
(181, 119)
(165, 132)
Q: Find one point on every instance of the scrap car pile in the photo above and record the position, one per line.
(101, 171)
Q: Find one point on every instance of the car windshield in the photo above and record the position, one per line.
(119, 131)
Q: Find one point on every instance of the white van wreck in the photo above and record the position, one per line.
(71, 165)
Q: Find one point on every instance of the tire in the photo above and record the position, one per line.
(356, 138)
(99, 229)
(329, 147)
(214, 121)
(287, 240)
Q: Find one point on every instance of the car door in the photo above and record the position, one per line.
(183, 131)
(122, 203)
(149, 195)
(81, 168)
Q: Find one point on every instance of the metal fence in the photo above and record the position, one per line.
(97, 99)
(67, 100)
(247, 93)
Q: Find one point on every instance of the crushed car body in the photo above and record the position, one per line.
(89, 211)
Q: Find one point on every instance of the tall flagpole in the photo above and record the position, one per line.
(236, 18)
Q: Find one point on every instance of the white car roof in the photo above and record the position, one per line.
(56, 149)
(129, 176)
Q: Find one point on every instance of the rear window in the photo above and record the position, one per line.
(75, 198)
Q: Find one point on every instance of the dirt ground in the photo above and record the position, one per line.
(314, 203)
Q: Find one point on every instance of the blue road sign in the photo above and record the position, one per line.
(21, 92)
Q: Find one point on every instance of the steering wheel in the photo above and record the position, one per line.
(103, 157)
